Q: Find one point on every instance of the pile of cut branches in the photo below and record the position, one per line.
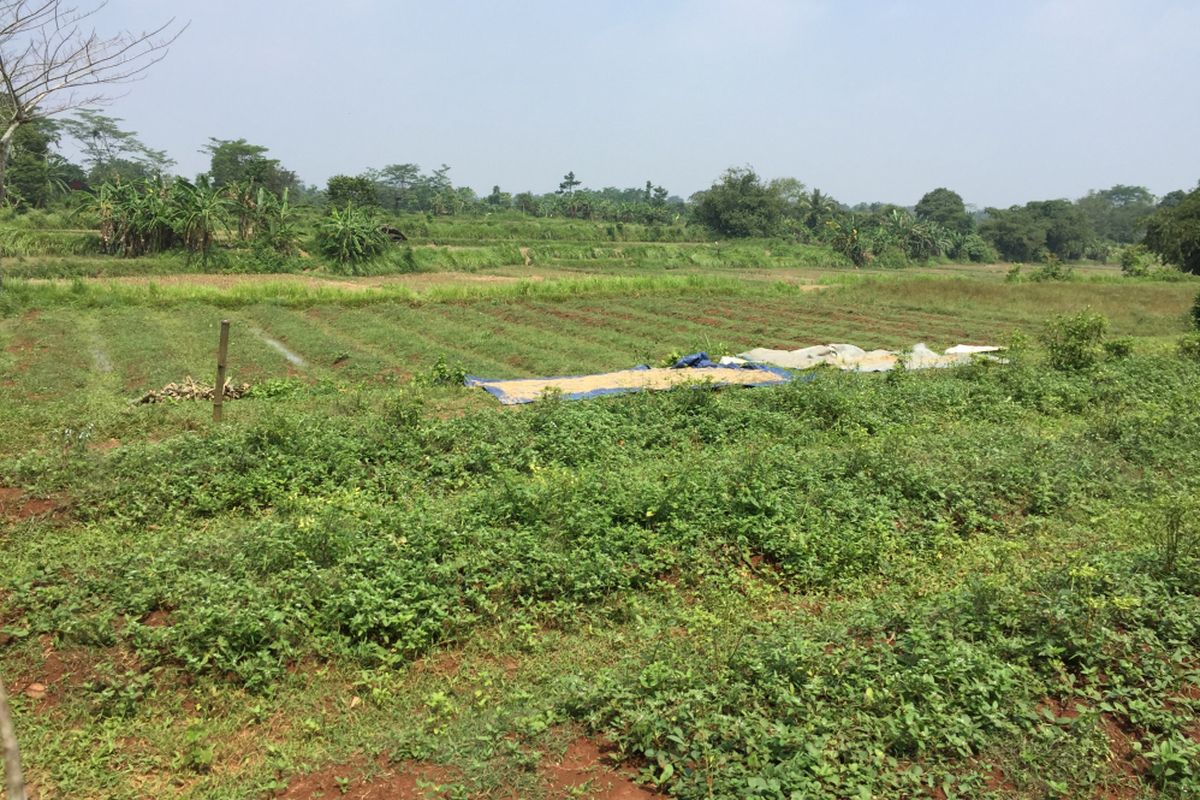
(189, 389)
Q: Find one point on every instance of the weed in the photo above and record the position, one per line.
(1178, 536)
(1052, 270)
(442, 373)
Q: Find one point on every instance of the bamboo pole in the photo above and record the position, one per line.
(12, 754)
(219, 388)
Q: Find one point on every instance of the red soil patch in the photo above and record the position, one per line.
(582, 772)
(15, 505)
(997, 781)
(406, 781)
(20, 344)
(158, 618)
(1126, 766)
(446, 663)
(1062, 709)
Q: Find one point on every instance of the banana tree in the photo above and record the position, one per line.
(200, 213)
(275, 223)
(350, 236)
(244, 199)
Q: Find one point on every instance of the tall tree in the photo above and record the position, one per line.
(816, 209)
(1174, 232)
(344, 190)
(396, 182)
(238, 161)
(1118, 214)
(946, 208)
(110, 153)
(51, 61)
(36, 174)
(1029, 232)
(740, 204)
(569, 184)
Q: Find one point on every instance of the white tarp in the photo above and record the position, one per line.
(851, 357)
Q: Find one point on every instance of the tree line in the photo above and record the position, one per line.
(52, 62)
(115, 163)
(740, 203)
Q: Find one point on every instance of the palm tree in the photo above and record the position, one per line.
(817, 209)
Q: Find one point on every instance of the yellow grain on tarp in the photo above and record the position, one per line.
(529, 389)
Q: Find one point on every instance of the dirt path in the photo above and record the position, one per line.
(421, 280)
(804, 279)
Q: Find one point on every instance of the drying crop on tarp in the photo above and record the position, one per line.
(190, 389)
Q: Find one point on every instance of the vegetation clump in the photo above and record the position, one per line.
(350, 236)
(780, 568)
(1075, 342)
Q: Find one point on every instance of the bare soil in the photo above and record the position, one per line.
(16, 505)
(584, 772)
(419, 280)
(354, 781)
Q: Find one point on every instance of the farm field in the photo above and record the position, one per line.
(370, 581)
(489, 439)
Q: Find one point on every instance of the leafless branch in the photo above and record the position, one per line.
(50, 57)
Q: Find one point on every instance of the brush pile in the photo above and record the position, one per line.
(189, 389)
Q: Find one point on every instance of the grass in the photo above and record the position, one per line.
(951, 584)
(146, 336)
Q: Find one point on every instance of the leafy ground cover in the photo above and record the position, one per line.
(972, 583)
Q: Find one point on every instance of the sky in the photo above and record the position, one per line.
(869, 100)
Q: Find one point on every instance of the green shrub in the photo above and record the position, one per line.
(1074, 342)
(442, 373)
(1137, 261)
(979, 250)
(1052, 270)
(1119, 348)
(1189, 347)
(1196, 312)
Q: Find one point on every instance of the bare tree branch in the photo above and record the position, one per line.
(52, 61)
(12, 754)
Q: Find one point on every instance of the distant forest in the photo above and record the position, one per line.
(1124, 222)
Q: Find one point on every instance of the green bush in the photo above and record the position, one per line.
(1075, 342)
(1196, 312)
(978, 250)
(1052, 270)
(1119, 348)
(442, 373)
(1189, 347)
(1137, 261)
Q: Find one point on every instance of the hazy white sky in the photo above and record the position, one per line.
(866, 99)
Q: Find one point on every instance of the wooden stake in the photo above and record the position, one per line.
(12, 753)
(219, 389)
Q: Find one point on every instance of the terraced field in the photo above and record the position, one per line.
(500, 333)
